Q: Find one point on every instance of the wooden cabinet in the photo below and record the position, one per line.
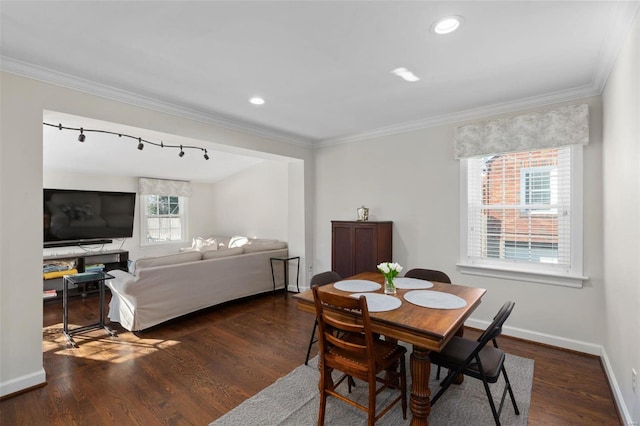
(360, 246)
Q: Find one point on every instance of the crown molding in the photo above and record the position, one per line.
(69, 81)
(625, 13)
(468, 115)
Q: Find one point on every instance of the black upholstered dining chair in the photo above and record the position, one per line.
(428, 275)
(348, 346)
(323, 278)
(478, 360)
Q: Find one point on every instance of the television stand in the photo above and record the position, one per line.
(111, 259)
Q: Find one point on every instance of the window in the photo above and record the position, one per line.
(539, 189)
(163, 219)
(523, 215)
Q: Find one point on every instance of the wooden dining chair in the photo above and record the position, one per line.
(323, 278)
(478, 360)
(355, 352)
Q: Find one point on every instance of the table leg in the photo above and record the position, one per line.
(102, 310)
(65, 312)
(286, 278)
(273, 277)
(420, 400)
(298, 277)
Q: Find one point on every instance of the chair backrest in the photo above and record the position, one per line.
(325, 278)
(495, 328)
(344, 328)
(428, 275)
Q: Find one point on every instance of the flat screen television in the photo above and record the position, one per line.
(74, 217)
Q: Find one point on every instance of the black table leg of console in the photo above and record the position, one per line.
(285, 262)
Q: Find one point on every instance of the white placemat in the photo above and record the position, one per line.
(435, 299)
(357, 286)
(377, 302)
(411, 283)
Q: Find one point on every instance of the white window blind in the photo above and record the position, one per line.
(519, 210)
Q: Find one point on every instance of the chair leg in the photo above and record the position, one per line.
(311, 340)
(322, 385)
(496, 416)
(508, 384)
(371, 413)
(444, 385)
(403, 385)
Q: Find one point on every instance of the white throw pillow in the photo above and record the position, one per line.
(238, 241)
(197, 243)
(209, 244)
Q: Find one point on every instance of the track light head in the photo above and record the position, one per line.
(206, 156)
(81, 136)
(181, 152)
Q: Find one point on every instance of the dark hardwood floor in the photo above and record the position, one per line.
(192, 370)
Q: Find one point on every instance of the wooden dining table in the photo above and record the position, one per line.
(426, 329)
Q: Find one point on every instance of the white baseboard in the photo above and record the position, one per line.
(23, 382)
(547, 339)
(617, 394)
(575, 345)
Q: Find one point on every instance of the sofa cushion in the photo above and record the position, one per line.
(262, 241)
(221, 252)
(172, 259)
(253, 248)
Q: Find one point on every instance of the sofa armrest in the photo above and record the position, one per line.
(121, 281)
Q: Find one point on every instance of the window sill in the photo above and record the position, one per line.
(543, 277)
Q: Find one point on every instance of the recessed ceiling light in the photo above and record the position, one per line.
(405, 74)
(256, 100)
(447, 24)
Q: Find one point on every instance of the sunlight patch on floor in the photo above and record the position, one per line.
(99, 346)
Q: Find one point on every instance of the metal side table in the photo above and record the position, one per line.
(83, 278)
(285, 262)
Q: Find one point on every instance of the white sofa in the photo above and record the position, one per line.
(166, 287)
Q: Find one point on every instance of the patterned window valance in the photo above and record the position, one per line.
(568, 125)
(149, 186)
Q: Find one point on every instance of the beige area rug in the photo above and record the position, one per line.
(293, 400)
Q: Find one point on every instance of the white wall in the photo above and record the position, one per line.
(412, 179)
(251, 203)
(199, 218)
(621, 169)
(22, 102)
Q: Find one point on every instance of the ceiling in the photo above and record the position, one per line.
(323, 67)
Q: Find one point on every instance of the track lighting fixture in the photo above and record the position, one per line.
(141, 142)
